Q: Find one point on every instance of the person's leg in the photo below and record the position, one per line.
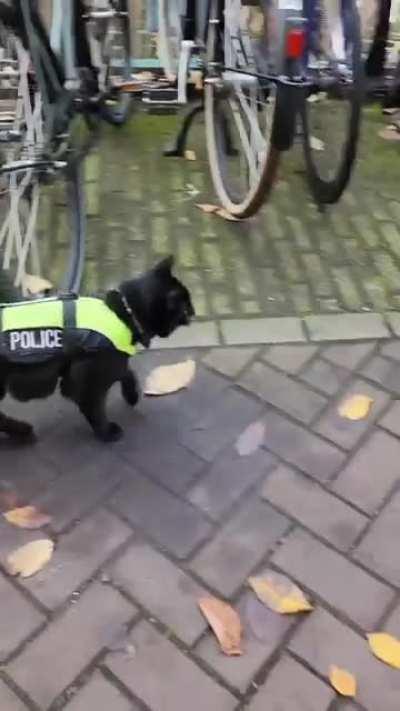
(375, 64)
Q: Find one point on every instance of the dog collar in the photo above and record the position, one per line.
(143, 336)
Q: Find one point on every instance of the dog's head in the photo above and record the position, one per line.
(159, 300)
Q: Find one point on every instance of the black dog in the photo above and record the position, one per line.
(154, 304)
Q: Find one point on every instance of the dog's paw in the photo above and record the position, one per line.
(113, 433)
(22, 432)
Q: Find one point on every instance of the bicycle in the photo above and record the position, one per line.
(269, 67)
(58, 84)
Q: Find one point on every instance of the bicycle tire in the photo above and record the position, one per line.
(250, 201)
(116, 109)
(42, 206)
(327, 189)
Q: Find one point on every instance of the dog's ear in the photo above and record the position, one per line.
(165, 267)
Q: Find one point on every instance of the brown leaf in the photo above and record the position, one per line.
(27, 517)
(209, 209)
(251, 439)
(190, 155)
(225, 623)
(386, 648)
(280, 594)
(169, 379)
(30, 559)
(356, 407)
(343, 682)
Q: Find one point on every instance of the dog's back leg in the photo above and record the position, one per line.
(15, 429)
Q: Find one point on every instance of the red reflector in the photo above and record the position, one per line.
(295, 44)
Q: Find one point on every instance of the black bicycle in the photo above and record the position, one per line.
(59, 76)
(273, 70)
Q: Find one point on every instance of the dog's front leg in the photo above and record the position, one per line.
(16, 429)
(93, 406)
(130, 388)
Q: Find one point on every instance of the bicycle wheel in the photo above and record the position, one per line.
(110, 45)
(42, 215)
(170, 36)
(332, 112)
(239, 108)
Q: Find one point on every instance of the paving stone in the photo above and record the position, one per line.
(391, 350)
(314, 507)
(300, 447)
(229, 477)
(333, 578)
(264, 631)
(392, 624)
(229, 361)
(175, 525)
(291, 687)
(100, 695)
(166, 591)
(74, 494)
(76, 557)
(385, 372)
(69, 644)
(326, 377)
(344, 432)
(169, 462)
(282, 392)
(25, 473)
(8, 700)
(391, 420)
(289, 358)
(393, 320)
(346, 327)
(323, 640)
(379, 549)
(370, 475)
(201, 334)
(348, 355)
(238, 546)
(262, 330)
(164, 678)
(14, 607)
(221, 425)
(72, 446)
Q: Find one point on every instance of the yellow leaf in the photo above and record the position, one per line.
(27, 517)
(205, 207)
(386, 648)
(221, 212)
(225, 623)
(343, 682)
(356, 407)
(169, 379)
(31, 558)
(280, 594)
(190, 155)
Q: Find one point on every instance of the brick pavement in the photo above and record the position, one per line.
(145, 527)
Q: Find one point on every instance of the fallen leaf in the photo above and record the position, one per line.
(280, 594)
(225, 623)
(30, 559)
(221, 212)
(27, 517)
(169, 379)
(343, 682)
(316, 144)
(190, 155)
(209, 209)
(251, 439)
(34, 285)
(386, 648)
(356, 407)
